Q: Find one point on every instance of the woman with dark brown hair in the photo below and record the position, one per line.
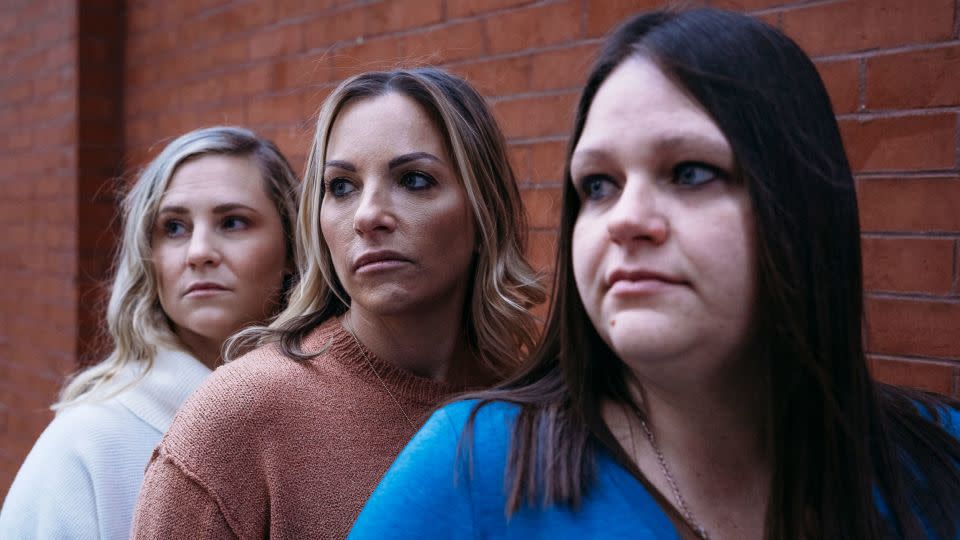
(702, 372)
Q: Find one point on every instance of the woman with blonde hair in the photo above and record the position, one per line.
(206, 249)
(414, 286)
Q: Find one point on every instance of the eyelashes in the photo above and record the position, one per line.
(684, 175)
(340, 186)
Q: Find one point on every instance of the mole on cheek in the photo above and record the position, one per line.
(613, 322)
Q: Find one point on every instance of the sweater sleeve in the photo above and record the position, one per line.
(167, 491)
(426, 492)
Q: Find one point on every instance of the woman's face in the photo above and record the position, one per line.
(394, 212)
(218, 248)
(663, 251)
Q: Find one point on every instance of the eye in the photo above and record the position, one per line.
(694, 174)
(340, 187)
(173, 228)
(235, 223)
(416, 180)
(597, 187)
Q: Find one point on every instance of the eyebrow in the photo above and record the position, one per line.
(219, 209)
(392, 164)
(687, 142)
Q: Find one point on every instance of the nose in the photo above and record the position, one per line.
(637, 215)
(203, 249)
(375, 211)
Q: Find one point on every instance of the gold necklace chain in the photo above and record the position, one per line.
(672, 482)
(379, 378)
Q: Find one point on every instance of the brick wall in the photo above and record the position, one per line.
(891, 67)
(38, 213)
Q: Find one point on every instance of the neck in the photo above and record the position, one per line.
(428, 345)
(204, 349)
(713, 440)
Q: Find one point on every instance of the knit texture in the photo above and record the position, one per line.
(269, 446)
(82, 476)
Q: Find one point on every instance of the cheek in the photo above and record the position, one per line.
(725, 258)
(585, 254)
(336, 227)
(165, 269)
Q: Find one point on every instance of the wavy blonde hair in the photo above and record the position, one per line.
(499, 327)
(135, 323)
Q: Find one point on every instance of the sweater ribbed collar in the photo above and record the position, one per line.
(331, 340)
(171, 380)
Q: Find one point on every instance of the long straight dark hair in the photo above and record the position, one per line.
(841, 442)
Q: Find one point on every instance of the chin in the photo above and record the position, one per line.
(645, 335)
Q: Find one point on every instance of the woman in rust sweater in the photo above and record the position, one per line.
(413, 286)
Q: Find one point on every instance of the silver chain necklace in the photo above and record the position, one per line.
(672, 482)
(379, 378)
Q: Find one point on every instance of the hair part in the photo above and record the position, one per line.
(135, 322)
(499, 326)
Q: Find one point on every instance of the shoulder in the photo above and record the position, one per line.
(85, 466)
(234, 400)
(481, 421)
(950, 420)
(88, 430)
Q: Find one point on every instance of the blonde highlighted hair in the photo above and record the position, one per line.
(135, 323)
(499, 326)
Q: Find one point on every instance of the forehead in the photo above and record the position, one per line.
(639, 104)
(391, 124)
(217, 178)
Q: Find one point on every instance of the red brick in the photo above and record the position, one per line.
(498, 77)
(301, 71)
(466, 8)
(842, 79)
(547, 161)
(447, 43)
(395, 15)
(152, 44)
(908, 264)
(536, 116)
(374, 54)
(914, 204)
(15, 91)
(233, 20)
(294, 9)
(217, 56)
(292, 140)
(747, 5)
(252, 80)
(543, 207)
(279, 41)
(604, 16)
(914, 79)
(519, 156)
(279, 109)
(904, 327)
(856, 25)
(347, 24)
(901, 143)
(542, 250)
(564, 68)
(534, 27)
(932, 376)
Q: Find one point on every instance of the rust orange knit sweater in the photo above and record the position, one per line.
(268, 446)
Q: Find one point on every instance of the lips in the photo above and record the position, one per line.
(204, 287)
(641, 275)
(380, 258)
